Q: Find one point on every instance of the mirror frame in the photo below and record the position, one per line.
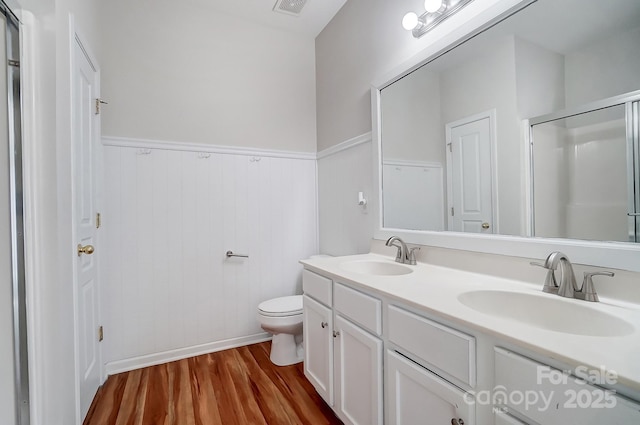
(624, 256)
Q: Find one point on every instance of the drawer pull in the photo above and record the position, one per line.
(324, 324)
(336, 334)
(455, 421)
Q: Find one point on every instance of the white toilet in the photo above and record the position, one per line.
(282, 317)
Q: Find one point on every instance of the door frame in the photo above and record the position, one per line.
(493, 146)
(76, 38)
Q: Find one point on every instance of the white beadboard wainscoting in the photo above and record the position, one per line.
(171, 213)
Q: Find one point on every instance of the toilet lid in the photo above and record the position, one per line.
(284, 306)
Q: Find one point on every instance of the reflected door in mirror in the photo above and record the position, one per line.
(469, 182)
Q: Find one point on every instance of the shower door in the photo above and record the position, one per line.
(633, 169)
(14, 389)
(586, 171)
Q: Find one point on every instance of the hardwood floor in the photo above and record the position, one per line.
(238, 386)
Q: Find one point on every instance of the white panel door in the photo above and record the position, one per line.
(85, 137)
(358, 374)
(416, 396)
(470, 191)
(318, 347)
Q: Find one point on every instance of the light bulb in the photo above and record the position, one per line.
(432, 5)
(410, 21)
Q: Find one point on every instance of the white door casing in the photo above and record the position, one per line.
(471, 182)
(85, 139)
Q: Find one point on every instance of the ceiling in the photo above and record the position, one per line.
(315, 15)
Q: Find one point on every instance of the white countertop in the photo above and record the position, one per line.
(435, 290)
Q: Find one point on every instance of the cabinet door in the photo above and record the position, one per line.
(358, 374)
(416, 396)
(318, 347)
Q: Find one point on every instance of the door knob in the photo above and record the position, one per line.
(485, 225)
(87, 249)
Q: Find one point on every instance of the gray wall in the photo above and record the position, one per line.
(190, 73)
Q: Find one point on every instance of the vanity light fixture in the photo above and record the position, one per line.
(436, 12)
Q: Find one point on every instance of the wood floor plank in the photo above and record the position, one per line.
(204, 397)
(127, 411)
(231, 410)
(291, 384)
(180, 397)
(274, 407)
(109, 395)
(233, 387)
(156, 406)
(243, 388)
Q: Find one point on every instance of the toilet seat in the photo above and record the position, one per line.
(281, 307)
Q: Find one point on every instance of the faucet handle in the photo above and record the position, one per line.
(412, 255)
(588, 290)
(550, 284)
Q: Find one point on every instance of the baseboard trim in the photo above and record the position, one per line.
(129, 142)
(133, 363)
(348, 144)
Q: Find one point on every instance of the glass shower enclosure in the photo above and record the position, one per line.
(586, 171)
(14, 385)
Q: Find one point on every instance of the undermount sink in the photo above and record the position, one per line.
(546, 312)
(377, 268)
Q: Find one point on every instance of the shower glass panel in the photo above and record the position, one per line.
(14, 385)
(633, 165)
(584, 176)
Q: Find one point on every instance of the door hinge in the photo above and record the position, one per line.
(98, 220)
(13, 62)
(452, 213)
(98, 103)
(100, 334)
(450, 146)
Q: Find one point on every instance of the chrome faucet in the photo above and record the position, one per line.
(404, 254)
(568, 287)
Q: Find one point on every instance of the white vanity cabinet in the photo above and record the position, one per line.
(343, 349)
(541, 394)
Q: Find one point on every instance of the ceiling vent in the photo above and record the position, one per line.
(289, 7)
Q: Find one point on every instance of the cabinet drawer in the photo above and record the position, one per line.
(361, 308)
(451, 351)
(553, 398)
(502, 418)
(316, 286)
(417, 396)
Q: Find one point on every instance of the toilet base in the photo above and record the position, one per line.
(285, 350)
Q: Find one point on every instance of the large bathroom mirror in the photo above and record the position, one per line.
(454, 127)
(453, 147)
